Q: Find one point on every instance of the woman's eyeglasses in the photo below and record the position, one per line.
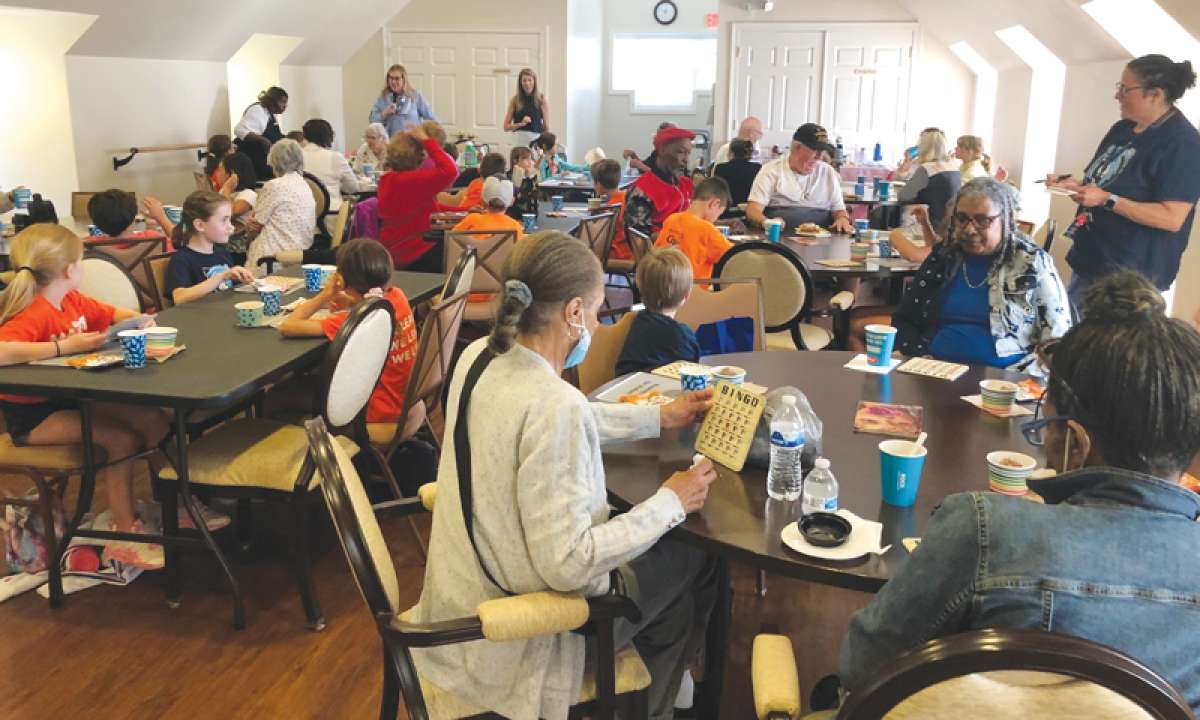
(1035, 430)
(1125, 89)
(981, 222)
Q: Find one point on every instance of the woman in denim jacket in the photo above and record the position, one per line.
(986, 294)
(1111, 554)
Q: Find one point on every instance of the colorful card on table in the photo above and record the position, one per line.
(728, 428)
(933, 368)
(884, 419)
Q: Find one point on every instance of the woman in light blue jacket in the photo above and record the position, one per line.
(399, 104)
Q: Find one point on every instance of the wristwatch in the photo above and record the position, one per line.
(1111, 202)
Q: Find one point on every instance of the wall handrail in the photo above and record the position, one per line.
(200, 149)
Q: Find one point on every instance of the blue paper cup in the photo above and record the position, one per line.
(22, 196)
(774, 227)
(861, 226)
(94, 231)
(899, 472)
(556, 203)
(327, 272)
(249, 313)
(860, 189)
(885, 189)
(885, 245)
(368, 170)
(861, 180)
(724, 230)
(312, 277)
(272, 301)
(133, 347)
(880, 341)
(528, 220)
(693, 378)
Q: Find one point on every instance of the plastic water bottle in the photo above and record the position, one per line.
(469, 155)
(820, 490)
(878, 156)
(787, 443)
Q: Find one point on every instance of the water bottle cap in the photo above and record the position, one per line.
(789, 399)
(822, 464)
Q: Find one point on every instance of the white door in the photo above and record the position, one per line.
(777, 79)
(866, 94)
(468, 78)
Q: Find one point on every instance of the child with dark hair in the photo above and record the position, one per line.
(656, 338)
(524, 175)
(606, 178)
(200, 263)
(549, 160)
(471, 197)
(237, 181)
(218, 147)
(114, 213)
(693, 232)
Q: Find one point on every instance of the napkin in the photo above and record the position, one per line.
(862, 364)
(1015, 411)
(865, 537)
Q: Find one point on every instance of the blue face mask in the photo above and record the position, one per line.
(580, 350)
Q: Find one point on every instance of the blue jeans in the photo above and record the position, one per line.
(1076, 291)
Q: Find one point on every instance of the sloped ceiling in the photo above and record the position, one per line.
(215, 29)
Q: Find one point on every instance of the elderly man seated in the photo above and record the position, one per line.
(799, 188)
(750, 129)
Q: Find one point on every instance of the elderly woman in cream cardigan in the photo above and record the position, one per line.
(541, 520)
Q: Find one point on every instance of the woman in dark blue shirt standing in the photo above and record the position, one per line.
(1138, 195)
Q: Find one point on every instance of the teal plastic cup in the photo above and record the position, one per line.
(880, 341)
(899, 472)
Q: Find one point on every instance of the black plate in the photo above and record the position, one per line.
(824, 529)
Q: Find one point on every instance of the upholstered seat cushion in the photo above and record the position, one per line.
(1016, 693)
(382, 433)
(55, 458)
(251, 453)
(632, 676)
(815, 337)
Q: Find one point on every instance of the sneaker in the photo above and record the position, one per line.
(213, 520)
(147, 556)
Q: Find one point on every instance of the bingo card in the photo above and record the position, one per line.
(729, 427)
(672, 370)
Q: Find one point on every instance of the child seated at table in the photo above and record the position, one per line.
(497, 195)
(43, 316)
(238, 181)
(114, 213)
(693, 232)
(655, 338)
(469, 198)
(201, 262)
(524, 175)
(606, 178)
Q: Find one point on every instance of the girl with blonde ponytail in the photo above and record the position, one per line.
(43, 315)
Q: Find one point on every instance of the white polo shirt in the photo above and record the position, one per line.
(777, 185)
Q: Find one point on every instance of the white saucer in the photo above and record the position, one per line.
(864, 539)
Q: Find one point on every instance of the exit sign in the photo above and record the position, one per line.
(711, 20)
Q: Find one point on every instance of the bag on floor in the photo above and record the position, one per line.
(25, 533)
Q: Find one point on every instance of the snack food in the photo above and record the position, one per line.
(809, 229)
(652, 397)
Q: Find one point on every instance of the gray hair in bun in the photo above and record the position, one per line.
(543, 273)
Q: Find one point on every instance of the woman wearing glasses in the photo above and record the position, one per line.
(1138, 196)
(399, 104)
(1111, 554)
(986, 294)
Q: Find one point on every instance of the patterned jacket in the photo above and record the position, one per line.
(1029, 303)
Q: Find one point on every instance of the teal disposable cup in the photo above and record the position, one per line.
(899, 472)
(880, 341)
(773, 227)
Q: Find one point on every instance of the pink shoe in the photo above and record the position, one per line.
(144, 555)
(213, 520)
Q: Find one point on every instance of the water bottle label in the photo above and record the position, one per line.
(789, 440)
(813, 504)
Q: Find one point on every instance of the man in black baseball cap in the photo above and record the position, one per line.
(799, 188)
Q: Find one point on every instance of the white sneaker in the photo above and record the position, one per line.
(213, 520)
(147, 556)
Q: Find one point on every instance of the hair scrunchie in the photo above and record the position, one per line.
(519, 291)
(26, 267)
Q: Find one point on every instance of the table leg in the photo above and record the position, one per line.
(716, 647)
(181, 440)
(87, 487)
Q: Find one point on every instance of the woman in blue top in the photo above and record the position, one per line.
(399, 104)
(986, 294)
(1138, 195)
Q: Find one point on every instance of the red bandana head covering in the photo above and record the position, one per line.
(667, 135)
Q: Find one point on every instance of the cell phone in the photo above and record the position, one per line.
(912, 153)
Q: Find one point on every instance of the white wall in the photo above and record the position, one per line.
(585, 77)
(37, 145)
(942, 92)
(1012, 114)
(119, 103)
(362, 79)
(316, 92)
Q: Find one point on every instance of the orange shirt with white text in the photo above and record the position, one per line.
(698, 239)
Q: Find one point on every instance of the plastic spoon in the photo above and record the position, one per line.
(916, 448)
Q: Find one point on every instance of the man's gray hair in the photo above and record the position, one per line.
(285, 157)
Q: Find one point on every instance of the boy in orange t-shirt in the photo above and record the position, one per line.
(497, 195)
(606, 177)
(471, 196)
(693, 232)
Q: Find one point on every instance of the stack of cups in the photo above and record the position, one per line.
(774, 227)
(1008, 472)
(998, 396)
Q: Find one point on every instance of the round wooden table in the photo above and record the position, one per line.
(741, 524)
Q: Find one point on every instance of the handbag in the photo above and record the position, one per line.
(732, 335)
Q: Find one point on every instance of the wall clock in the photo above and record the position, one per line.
(665, 12)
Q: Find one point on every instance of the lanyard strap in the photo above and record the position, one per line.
(462, 457)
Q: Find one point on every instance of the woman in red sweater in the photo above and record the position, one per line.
(408, 196)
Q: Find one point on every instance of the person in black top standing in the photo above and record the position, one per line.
(528, 111)
(258, 129)
(739, 172)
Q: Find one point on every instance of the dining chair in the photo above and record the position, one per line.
(734, 297)
(155, 268)
(108, 281)
(321, 194)
(1051, 234)
(597, 232)
(616, 673)
(985, 675)
(264, 459)
(202, 181)
(600, 363)
(491, 248)
(787, 288)
(460, 278)
(641, 245)
(79, 203)
(130, 252)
